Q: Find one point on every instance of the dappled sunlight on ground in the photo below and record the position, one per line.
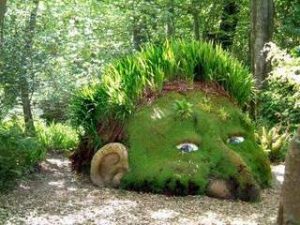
(163, 214)
(60, 163)
(56, 196)
(278, 173)
(102, 215)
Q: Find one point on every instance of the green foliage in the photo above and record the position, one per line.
(213, 64)
(206, 105)
(57, 136)
(54, 109)
(223, 114)
(280, 102)
(274, 142)
(295, 52)
(280, 99)
(157, 165)
(125, 81)
(183, 109)
(18, 153)
(84, 110)
(70, 46)
(287, 23)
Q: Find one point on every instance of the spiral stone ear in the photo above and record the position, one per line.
(109, 165)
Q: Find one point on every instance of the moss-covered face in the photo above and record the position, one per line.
(222, 147)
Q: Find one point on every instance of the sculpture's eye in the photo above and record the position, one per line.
(187, 147)
(235, 140)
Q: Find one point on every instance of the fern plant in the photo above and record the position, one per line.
(223, 114)
(273, 141)
(183, 109)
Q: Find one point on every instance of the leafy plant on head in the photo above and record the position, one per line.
(206, 105)
(183, 109)
(223, 114)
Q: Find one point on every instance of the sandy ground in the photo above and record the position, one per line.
(57, 196)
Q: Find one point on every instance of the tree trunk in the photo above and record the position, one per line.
(196, 24)
(261, 33)
(138, 28)
(194, 10)
(138, 33)
(171, 19)
(2, 13)
(289, 209)
(26, 104)
(24, 83)
(228, 24)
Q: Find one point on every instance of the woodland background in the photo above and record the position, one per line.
(48, 49)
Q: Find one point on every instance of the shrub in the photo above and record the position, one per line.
(57, 136)
(274, 142)
(296, 51)
(280, 102)
(54, 108)
(18, 153)
(280, 99)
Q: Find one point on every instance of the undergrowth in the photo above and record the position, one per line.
(20, 153)
(279, 101)
(57, 136)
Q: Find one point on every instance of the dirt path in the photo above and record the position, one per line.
(57, 196)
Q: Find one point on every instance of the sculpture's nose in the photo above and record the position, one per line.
(245, 187)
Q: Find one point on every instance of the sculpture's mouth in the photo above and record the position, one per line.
(187, 147)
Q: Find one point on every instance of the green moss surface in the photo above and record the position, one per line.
(156, 164)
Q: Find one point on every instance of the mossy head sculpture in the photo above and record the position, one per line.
(176, 108)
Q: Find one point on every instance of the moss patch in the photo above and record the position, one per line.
(156, 164)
